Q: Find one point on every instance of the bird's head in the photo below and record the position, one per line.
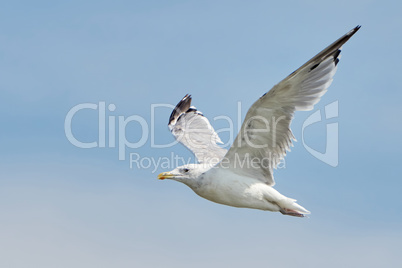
(186, 174)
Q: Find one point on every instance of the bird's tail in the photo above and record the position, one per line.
(291, 208)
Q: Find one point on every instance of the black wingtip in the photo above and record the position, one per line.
(332, 50)
(353, 31)
(181, 107)
(186, 96)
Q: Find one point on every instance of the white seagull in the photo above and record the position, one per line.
(243, 175)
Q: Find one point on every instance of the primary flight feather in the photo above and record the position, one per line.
(243, 175)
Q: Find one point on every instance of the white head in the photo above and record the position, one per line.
(187, 174)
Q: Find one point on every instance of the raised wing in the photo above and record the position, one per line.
(194, 131)
(265, 135)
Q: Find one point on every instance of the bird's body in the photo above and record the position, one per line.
(243, 175)
(231, 189)
(227, 188)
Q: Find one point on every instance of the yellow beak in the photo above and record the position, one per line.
(165, 175)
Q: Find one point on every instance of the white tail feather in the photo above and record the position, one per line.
(291, 208)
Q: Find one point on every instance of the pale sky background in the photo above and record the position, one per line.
(63, 206)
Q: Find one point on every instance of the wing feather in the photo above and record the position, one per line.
(265, 135)
(194, 131)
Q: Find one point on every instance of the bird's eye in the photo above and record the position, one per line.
(185, 170)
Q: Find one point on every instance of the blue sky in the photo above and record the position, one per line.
(63, 206)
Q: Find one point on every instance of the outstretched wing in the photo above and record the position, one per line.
(265, 135)
(195, 132)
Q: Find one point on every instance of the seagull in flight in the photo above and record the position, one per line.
(243, 175)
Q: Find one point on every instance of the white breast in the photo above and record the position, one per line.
(228, 188)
